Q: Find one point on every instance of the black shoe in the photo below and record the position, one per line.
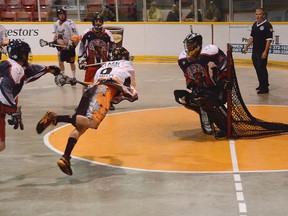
(48, 119)
(65, 166)
(220, 135)
(112, 107)
(261, 91)
(258, 88)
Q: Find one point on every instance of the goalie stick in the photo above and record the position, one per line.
(50, 44)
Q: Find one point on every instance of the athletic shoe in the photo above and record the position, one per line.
(220, 135)
(65, 166)
(48, 119)
(263, 91)
(112, 107)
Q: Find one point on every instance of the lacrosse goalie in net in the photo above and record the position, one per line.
(205, 72)
(114, 82)
(66, 39)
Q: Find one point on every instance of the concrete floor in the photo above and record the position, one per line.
(31, 183)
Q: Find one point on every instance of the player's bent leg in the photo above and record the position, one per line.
(184, 98)
(205, 122)
(217, 113)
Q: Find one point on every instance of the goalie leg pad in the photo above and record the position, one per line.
(217, 113)
(205, 122)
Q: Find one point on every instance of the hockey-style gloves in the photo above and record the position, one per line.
(55, 70)
(16, 119)
(62, 79)
(82, 63)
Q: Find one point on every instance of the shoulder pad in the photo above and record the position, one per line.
(210, 50)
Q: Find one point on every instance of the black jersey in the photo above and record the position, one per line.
(261, 32)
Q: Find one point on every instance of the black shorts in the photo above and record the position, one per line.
(68, 56)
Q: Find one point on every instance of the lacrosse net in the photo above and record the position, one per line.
(241, 124)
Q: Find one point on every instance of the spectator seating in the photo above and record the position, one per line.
(13, 5)
(44, 16)
(28, 5)
(8, 16)
(24, 16)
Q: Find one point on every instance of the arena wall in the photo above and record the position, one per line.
(158, 42)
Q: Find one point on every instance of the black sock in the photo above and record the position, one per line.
(66, 118)
(69, 147)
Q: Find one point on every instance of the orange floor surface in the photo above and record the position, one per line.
(170, 139)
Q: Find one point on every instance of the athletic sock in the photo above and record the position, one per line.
(69, 147)
(66, 118)
(74, 74)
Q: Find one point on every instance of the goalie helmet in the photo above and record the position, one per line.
(61, 11)
(193, 45)
(97, 21)
(120, 53)
(19, 51)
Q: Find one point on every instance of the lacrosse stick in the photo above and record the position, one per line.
(62, 79)
(83, 66)
(50, 44)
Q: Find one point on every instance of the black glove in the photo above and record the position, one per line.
(54, 70)
(51, 44)
(73, 81)
(82, 63)
(16, 119)
(71, 45)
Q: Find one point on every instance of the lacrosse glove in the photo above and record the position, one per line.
(16, 119)
(55, 70)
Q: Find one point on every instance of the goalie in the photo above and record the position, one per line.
(14, 73)
(114, 81)
(206, 77)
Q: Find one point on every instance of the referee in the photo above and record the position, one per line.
(261, 36)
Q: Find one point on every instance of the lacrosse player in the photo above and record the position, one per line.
(95, 46)
(114, 82)
(14, 73)
(3, 41)
(66, 34)
(205, 71)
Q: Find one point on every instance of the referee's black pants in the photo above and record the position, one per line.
(260, 66)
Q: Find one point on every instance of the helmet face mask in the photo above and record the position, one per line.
(193, 45)
(20, 51)
(120, 53)
(97, 22)
(61, 14)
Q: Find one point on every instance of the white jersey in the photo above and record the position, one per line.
(11, 82)
(119, 71)
(122, 74)
(65, 30)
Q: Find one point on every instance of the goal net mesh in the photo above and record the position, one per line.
(242, 124)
